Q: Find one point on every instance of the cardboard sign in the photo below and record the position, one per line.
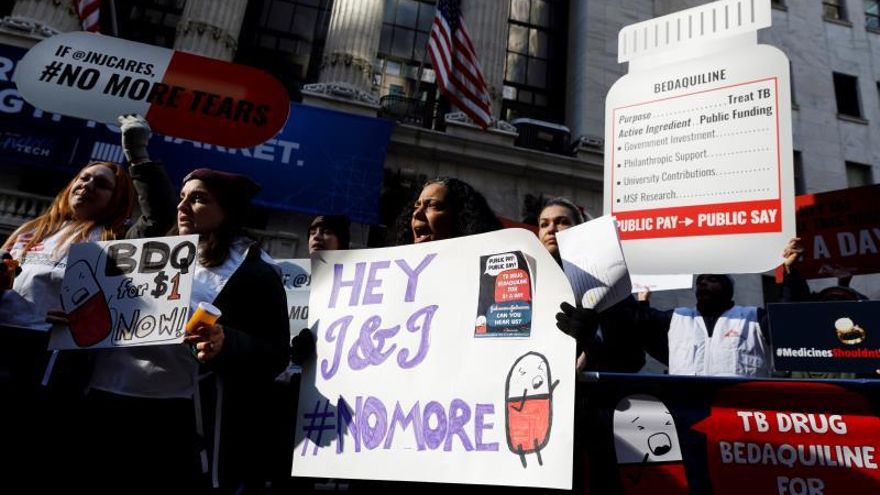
(647, 446)
(733, 436)
(657, 283)
(826, 336)
(765, 438)
(98, 78)
(840, 231)
(594, 264)
(127, 293)
(505, 308)
(321, 160)
(698, 156)
(296, 274)
(403, 388)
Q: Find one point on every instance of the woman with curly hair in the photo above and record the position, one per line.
(445, 208)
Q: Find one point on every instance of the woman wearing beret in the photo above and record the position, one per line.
(173, 413)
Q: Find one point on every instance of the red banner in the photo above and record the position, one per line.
(825, 444)
(676, 435)
(747, 217)
(840, 231)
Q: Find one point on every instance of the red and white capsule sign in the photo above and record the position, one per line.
(97, 77)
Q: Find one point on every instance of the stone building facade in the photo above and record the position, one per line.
(834, 49)
(548, 65)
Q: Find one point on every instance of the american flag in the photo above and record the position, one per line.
(88, 11)
(455, 62)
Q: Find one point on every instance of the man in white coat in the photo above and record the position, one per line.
(716, 338)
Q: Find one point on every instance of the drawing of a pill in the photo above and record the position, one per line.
(85, 304)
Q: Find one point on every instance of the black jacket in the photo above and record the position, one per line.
(157, 201)
(652, 328)
(256, 344)
(255, 350)
(614, 349)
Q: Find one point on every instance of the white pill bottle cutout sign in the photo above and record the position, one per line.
(698, 146)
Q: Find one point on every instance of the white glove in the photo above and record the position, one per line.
(135, 136)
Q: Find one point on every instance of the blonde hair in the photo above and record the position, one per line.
(60, 212)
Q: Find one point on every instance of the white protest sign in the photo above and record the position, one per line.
(127, 293)
(296, 275)
(404, 387)
(698, 147)
(72, 74)
(594, 264)
(656, 283)
(96, 77)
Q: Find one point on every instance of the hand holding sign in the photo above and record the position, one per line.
(580, 323)
(9, 269)
(302, 347)
(792, 251)
(57, 317)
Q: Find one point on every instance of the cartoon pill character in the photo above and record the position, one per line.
(481, 324)
(86, 307)
(529, 411)
(646, 443)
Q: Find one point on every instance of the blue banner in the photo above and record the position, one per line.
(322, 161)
(827, 336)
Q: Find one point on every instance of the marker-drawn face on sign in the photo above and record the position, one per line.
(85, 305)
(644, 431)
(529, 377)
(529, 411)
(648, 453)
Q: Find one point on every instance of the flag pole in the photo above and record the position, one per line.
(113, 24)
(424, 56)
(421, 68)
(419, 73)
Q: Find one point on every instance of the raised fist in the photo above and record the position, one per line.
(135, 136)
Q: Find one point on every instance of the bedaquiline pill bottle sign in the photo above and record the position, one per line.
(97, 77)
(698, 143)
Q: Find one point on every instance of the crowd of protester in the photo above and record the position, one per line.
(84, 411)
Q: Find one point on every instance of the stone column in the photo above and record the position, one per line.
(486, 21)
(346, 79)
(32, 20)
(210, 28)
(352, 43)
